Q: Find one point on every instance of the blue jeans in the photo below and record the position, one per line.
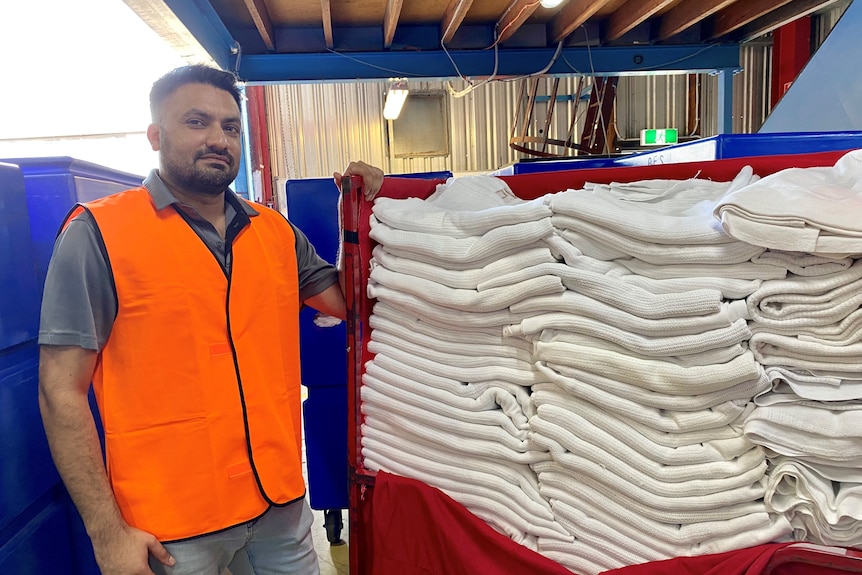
(278, 543)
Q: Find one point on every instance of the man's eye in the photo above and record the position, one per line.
(194, 122)
(232, 129)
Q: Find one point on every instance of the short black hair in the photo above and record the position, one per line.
(192, 74)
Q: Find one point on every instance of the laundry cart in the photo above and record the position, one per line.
(403, 525)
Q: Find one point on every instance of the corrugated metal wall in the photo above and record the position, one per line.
(319, 128)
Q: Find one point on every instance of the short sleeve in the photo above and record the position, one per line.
(79, 302)
(315, 273)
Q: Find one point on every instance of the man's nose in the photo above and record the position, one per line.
(216, 137)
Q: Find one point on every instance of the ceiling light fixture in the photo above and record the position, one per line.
(550, 3)
(395, 98)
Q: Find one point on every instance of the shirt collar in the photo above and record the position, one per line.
(162, 196)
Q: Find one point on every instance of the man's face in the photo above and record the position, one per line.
(198, 138)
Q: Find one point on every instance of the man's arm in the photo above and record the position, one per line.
(64, 381)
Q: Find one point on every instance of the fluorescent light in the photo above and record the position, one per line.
(550, 3)
(395, 98)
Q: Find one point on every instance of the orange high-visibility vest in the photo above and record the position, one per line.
(198, 385)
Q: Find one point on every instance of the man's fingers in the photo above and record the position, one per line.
(158, 551)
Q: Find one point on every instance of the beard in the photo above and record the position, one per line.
(199, 176)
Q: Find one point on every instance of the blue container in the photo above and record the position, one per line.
(19, 296)
(41, 546)
(325, 417)
(54, 186)
(718, 147)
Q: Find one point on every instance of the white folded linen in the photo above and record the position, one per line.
(663, 420)
(472, 369)
(441, 316)
(467, 299)
(649, 225)
(516, 474)
(466, 278)
(464, 250)
(819, 509)
(802, 264)
(808, 301)
(385, 367)
(807, 386)
(487, 490)
(577, 556)
(445, 405)
(567, 378)
(554, 310)
(451, 439)
(464, 206)
(808, 433)
(844, 332)
(652, 345)
(590, 445)
(651, 374)
(813, 210)
(477, 342)
(747, 270)
(663, 448)
(662, 510)
(732, 252)
(787, 351)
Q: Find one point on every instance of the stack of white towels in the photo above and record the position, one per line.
(579, 370)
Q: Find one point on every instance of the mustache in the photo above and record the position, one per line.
(216, 151)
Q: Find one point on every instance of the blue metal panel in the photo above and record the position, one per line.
(53, 186)
(325, 417)
(19, 298)
(725, 102)
(27, 469)
(614, 60)
(41, 546)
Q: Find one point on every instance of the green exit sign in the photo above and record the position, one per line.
(659, 137)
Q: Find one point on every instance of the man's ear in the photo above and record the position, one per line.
(153, 132)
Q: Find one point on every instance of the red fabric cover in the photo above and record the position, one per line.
(419, 530)
(750, 561)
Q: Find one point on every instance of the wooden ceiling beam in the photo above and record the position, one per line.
(778, 18)
(326, 10)
(263, 23)
(631, 14)
(742, 13)
(572, 15)
(514, 17)
(455, 13)
(390, 20)
(686, 14)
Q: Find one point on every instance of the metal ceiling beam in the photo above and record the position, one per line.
(201, 20)
(263, 23)
(631, 15)
(617, 60)
(686, 14)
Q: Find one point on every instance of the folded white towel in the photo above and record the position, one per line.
(817, 435)
(813, 210)
(651, 374)
(732, 252)
(746, 270)
(806, 386)
(802, 264)
(808, 301)
(462, 279)
(435, 248)
(775, 349)
(658, 419)
(844, 332)
(467, 299)
(551, 310)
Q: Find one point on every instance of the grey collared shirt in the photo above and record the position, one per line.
(79, 302)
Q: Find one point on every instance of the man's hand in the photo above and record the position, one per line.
(372, 177)
(126, 551)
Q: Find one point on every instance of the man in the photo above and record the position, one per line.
(179, 302)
